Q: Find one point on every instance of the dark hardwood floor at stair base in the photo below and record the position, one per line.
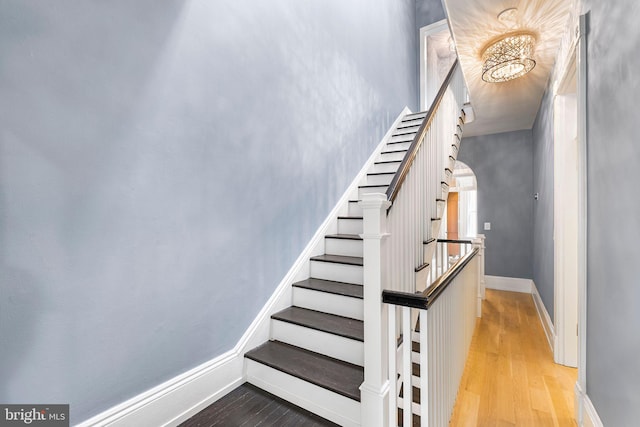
(335, 375)
(249, 406)
(337, 325)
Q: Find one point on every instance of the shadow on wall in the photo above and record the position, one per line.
(20, 303)
(72, 75)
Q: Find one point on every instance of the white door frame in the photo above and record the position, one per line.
(582, 88)
(577, 54)
(425, 32)
(565, 212)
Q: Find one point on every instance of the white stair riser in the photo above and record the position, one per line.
(385, 167)
(412, 122)
(327, 404)
(429, 250)
(435, 229)
(350, 226)
(398, 146)
(452, 163)
(440, 208)
(385, 157)
(402, 138)
(368, 190)
(409, 129)
(379, 179)
(347, 247)
(355, 209)
(339, 305)
(335, 346)
(337, 272)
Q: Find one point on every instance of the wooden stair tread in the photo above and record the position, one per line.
(408, 138)
(331, 287)
(326, 372)
(339, 259)
(249, 405)
(381, 173)
(343, 236)
(325, 322)
(372, 185)
(387, 161)
(394, 151)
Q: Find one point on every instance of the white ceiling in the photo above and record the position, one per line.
(503, 107)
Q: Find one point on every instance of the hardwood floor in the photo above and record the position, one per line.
(510, 378)
(249, 406)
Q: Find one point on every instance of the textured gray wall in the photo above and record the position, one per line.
(543, 252)
(613, 288)
(428, 12)
(503, 167)
(162, 164)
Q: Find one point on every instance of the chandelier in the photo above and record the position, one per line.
(508, 58)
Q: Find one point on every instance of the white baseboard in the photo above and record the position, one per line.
(545, 319)
(587, 415)
(511, 284)
(179, 398)
(176, 400)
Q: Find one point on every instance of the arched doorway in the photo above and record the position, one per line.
(462, 204)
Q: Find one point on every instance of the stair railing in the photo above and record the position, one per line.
(395, 227)
(438, 344)
(418, 184)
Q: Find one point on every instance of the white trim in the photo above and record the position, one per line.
(545, 319)
(567, 195)
(176, 400)
(587, 415)
(511, 284)
(425, 32)
(313, 398)
(581, 59)
(181, 397)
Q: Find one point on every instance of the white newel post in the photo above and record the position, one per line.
(478, 242)
(374, 391)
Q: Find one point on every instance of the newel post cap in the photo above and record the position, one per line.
(374, 201)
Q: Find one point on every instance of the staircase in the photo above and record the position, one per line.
(315, 356)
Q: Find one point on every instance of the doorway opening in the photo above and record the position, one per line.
(437, 54)
(461, 219)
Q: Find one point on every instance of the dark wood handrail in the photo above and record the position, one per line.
(425, 299)
(403, 169)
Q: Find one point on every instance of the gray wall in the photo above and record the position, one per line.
(428, 12)
(503, 167)
(613, 287)
(543, 252)
(162, 164)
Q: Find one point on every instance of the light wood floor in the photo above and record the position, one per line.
(510, 378)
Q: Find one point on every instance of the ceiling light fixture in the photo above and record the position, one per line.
(509, 57)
